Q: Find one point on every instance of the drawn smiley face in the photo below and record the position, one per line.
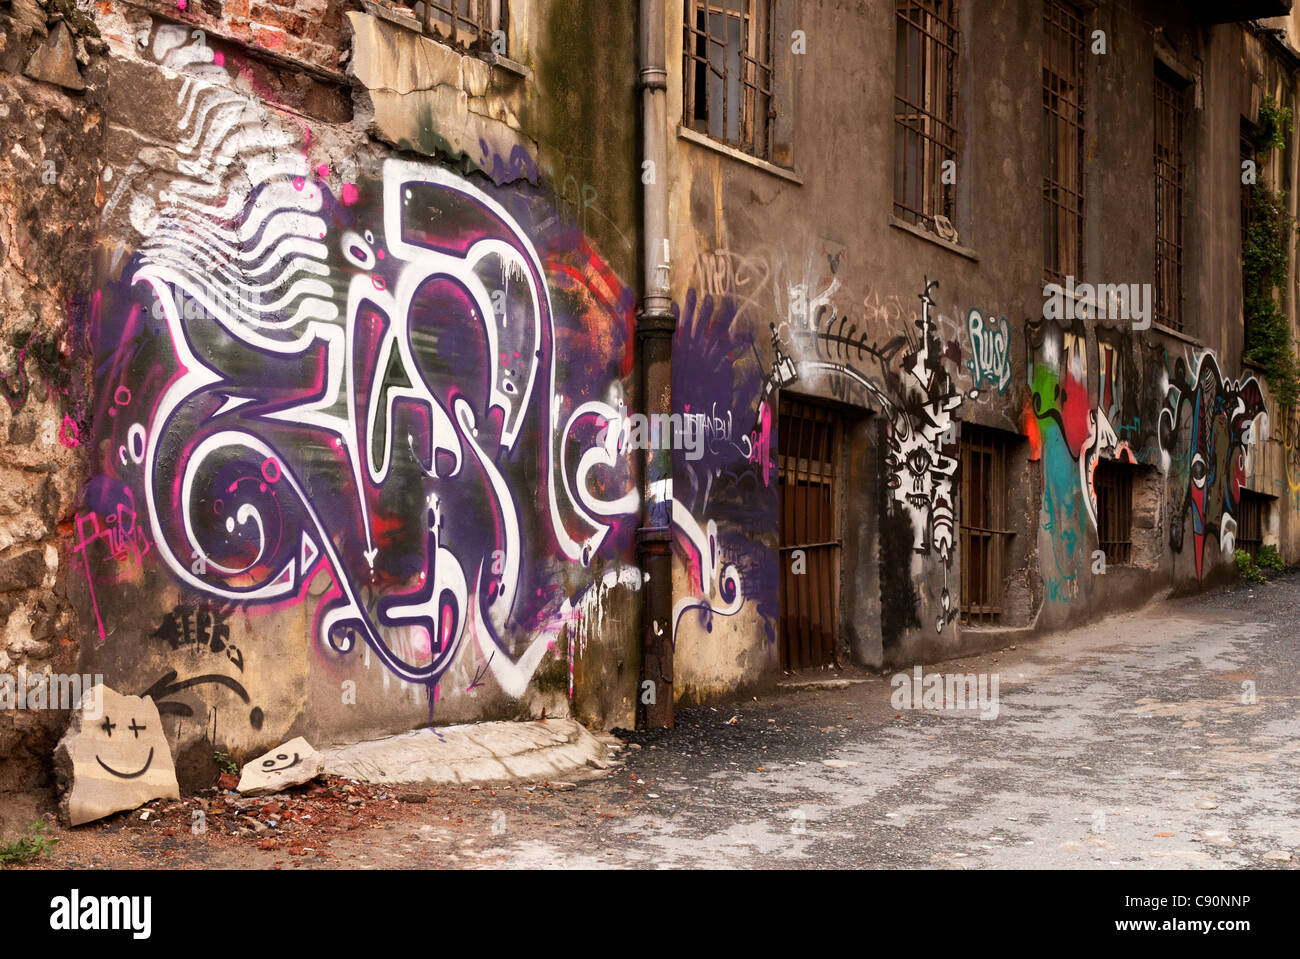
(270, 765)
(108, 726)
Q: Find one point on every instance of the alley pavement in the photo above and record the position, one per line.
(1165, 738)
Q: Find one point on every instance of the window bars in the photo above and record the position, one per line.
(727, 72)
(983, 520)
(464, 23)
(1113, 484)
(1063, 141)
(809, 438)
(925, 108)
(1168, 156)
(1251, 513)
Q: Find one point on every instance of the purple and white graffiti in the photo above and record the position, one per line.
(367, 402)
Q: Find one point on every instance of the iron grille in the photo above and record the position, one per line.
(1113, 484)
(983, 521)
(1063, 141)
(1251, 511)
(466, 23)
(809, 439)
(925, 109)
(1169, 202)
(727, 72)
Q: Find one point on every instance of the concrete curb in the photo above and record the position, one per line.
(477, 753)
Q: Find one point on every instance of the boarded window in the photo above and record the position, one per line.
(808, 438)
(1063, 142)
(925, 111)
(1169, 112)
(1113, 484)
(983, 523)
(727, 72)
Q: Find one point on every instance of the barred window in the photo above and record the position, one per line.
(1168, 155)
(1252, 514)
(925, 111)
(727, 72)
(1063, 141)
(1113, 483)
(472, 24)
(984, 536)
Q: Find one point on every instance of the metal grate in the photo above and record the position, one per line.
(467, 23)
(1113, 484)
(1169, 112)
(1251, 513)
(1063, 141)
(727, 72)
(925, 109)
(808, 437)
(983, 520)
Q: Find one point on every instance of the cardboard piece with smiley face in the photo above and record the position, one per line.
(292, 764)
(114, 756)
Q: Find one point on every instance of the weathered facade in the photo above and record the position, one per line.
(323, 356)
(968, 412)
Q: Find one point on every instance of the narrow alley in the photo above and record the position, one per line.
(1129, 743)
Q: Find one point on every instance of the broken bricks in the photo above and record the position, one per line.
(113, 757)
(292, 764)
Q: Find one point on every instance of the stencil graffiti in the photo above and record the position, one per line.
(919, 403)
(349, 394)
(990, 346)
(1068, 433)
(1212, 424)
(724, 498)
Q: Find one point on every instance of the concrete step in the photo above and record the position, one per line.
(475, 753)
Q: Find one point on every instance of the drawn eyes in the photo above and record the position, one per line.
(108, 726)
(268, 763)
(918, 461)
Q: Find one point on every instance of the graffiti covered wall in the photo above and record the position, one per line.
(335, 432)
(347, 454)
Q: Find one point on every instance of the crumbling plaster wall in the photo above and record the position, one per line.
(139, 106)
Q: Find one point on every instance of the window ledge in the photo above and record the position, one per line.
(948, 245)
(704, 140)
(1168, 331)
(506, 64)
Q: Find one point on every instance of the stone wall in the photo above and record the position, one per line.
(51, 130)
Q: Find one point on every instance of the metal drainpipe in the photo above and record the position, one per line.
(654, 333)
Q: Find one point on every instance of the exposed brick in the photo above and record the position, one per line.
(269, 38)
(237, 9)
(277, 17)
(297, 47)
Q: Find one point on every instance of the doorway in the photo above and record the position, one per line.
(809, 440)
